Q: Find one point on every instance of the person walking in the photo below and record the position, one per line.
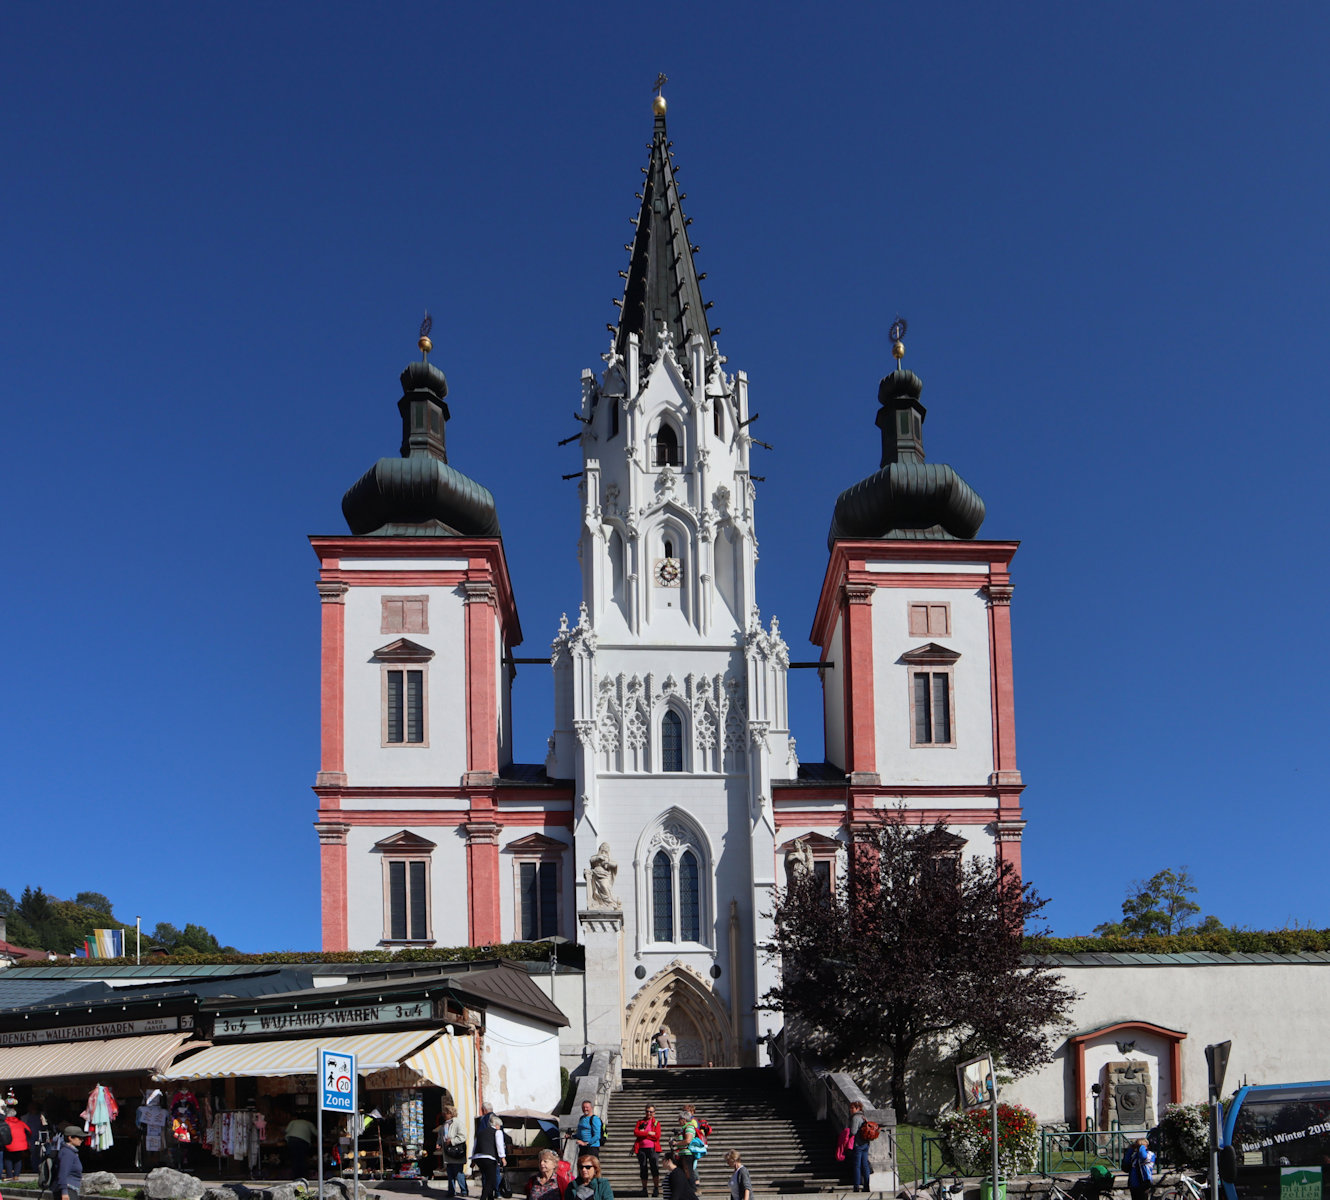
(489, 1151)
(17, 1147)
(587, 1184)
(741, 1183)
(858, 1148)
(449, 1152)
(36, 1124)
(664, 1044)
(1139, 1163)
(646, 1145)
(590, 1130)
(69, 1167)
(688, 1143)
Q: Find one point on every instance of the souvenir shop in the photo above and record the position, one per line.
(99, 1075)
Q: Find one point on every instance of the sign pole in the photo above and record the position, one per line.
(1216, 1061)
(355, 1154)
(993, 1097)
(337, 1092)
(320, 1152)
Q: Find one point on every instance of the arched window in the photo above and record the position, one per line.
(671, 742)
(690, 915)
(662, 898)
(667, 447)
(669, 547)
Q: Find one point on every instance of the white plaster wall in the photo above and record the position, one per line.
(833, 698)
(519, 1063)
(364, 884)
(1273, 1013)
(368, 762)
(971, 759)
(567, 991)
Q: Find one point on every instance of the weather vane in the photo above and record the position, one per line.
(661, 80)
(658, 104)
(424, 343)
(897, 335)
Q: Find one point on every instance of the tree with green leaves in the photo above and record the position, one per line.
(1163, 905)
(94, 900)
(915, 949)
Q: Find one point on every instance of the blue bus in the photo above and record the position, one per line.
(1275, 1143)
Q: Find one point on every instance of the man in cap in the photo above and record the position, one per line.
(69, 1167)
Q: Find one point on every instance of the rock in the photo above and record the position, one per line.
(163, 1183)
(95, 1182)
(290, 1191)
(221, 1193)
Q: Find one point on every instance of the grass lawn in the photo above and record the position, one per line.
(910, 1153)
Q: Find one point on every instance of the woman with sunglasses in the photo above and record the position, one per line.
(587, 1183)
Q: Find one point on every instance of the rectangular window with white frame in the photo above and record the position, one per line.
(931, 708)
(407, 907)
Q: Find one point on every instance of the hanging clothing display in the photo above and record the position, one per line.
(151, 1121)
(97, 1117)
(237, 1134)
(187, 1124)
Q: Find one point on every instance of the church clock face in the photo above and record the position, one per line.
(667, 572)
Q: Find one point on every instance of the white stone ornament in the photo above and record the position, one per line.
(600, 876)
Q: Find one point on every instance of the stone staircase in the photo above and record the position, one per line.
(783, 1147)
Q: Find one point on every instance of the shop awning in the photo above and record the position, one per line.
(297, 1056)
(62, 1060)
(450, 1062)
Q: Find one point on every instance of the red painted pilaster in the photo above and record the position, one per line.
(332, 872)
(482, 870)
(482, 700)
(999, 592)
(332, 685)
(860, 714)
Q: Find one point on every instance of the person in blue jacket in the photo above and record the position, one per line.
(1139, 1163)
(590, 1130)
(69, 1167)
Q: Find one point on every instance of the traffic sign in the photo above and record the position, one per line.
(337, 1081)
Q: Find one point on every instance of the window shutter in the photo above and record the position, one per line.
(415, 706)
(939, 620)
(392, 615)
(397, 901)
(941, 708)
(419, 909)
(394, 706)
(923, 732)
(918, 620)
(413, 615)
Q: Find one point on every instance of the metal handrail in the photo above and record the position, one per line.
(1079, 1150)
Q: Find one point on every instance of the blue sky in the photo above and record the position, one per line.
(1107, 228)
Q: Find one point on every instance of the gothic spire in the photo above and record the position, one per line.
(662, 281)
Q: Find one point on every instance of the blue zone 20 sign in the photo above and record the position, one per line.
(337, 1081)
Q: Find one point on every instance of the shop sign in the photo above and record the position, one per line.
(100, 1029)
(337, 1087)
(321, 1020)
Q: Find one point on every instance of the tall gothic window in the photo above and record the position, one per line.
(676, 884)
(671, 742)
(667, 447)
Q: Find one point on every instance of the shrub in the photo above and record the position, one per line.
(969, 1140)
(1184, 1135)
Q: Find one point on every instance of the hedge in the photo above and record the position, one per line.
(569, 955)
(1227, 941)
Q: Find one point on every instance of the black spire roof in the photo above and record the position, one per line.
(662, 281)
(908, 497)
(419, 494)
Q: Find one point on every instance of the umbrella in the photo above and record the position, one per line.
(528, 1117)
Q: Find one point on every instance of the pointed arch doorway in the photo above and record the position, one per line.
(680, 998)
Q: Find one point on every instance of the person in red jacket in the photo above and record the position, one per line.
(18, 1144)
(646, 1145)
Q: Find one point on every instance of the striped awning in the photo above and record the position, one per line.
(62, 1060)
(298, 1056)
(450, 1062)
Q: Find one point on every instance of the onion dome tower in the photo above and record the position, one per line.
(419, 494)
(908, 498)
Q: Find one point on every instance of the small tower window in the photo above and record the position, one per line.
(614, 418)
(718, 421)
(669, 548)
(671, 742)
(667, 447)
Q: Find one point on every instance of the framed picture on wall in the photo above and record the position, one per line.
(972, 1081)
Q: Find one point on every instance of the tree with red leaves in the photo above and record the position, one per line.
(916, 948)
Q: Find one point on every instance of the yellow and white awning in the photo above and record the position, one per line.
(450, 1062)
(63, 1060)
(299, 1056)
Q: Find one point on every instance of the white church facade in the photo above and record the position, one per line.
(672, 797)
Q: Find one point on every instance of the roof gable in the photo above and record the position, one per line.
(930, 653)
(536, 842)
(404, 650)
(404, 840)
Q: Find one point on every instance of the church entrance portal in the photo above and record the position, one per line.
(680, 998)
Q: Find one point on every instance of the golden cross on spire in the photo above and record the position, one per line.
(661, 80)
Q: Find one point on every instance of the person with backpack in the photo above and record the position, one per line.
(450, 1147)
(1139, 1163)
(16, 1144)
(590, 1131)
(858, 1150)
(646, 1146)
(69, 1167)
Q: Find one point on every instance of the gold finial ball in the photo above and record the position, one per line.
(658, 106)
(425, 345)
(898, 351)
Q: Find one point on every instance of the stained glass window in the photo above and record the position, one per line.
(690, 921)
(662, 898)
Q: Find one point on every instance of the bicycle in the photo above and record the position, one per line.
(1186, 1188)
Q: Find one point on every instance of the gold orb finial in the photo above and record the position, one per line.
(425, 345)
(425, 326)
(658, 104)
(897, 335)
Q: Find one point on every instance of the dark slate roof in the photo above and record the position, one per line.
(813, 774)
(908, 498)
(1186, 958)
(529, 775)
(419, 494)
(19, 989)
(95, 993)
(663, 283)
